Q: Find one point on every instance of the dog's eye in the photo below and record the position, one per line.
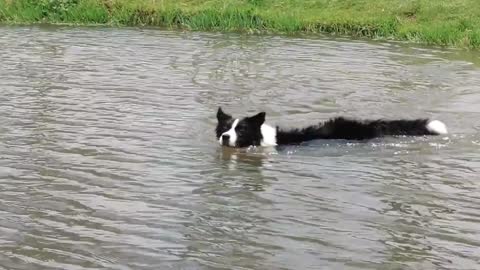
(241, 129)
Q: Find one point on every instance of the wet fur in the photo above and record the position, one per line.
(251, 130)
(351, 129)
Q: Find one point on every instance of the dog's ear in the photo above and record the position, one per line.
(221, 116)
(257, 119)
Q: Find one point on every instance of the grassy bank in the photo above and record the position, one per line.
(439, 22)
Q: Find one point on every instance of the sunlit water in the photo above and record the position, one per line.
(108, 160)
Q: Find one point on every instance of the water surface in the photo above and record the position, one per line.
(108, 159)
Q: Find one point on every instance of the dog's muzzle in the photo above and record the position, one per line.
(225, 140)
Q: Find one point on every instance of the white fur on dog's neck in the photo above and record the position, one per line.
(269, 135)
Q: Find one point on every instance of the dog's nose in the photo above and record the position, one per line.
(225, 139)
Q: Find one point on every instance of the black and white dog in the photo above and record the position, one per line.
(252, 131)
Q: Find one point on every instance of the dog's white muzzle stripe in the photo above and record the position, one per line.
(231, 133)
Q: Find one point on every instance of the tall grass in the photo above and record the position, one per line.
(440, 22)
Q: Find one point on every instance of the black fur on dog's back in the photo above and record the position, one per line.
(351, 129)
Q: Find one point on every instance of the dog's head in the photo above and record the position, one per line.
(239, 132)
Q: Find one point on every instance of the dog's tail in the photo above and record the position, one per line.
(350, 129)
(437, 127)
(342, 128)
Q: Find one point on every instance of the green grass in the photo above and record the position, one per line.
(439, 22)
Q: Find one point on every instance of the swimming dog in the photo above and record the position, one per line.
(252, 130)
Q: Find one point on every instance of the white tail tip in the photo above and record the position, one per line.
(437, 127)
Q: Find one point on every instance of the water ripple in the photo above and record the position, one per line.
(108, 158)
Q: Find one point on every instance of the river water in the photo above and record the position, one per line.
(108, 158)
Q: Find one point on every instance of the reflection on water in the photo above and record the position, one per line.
(108, 156)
